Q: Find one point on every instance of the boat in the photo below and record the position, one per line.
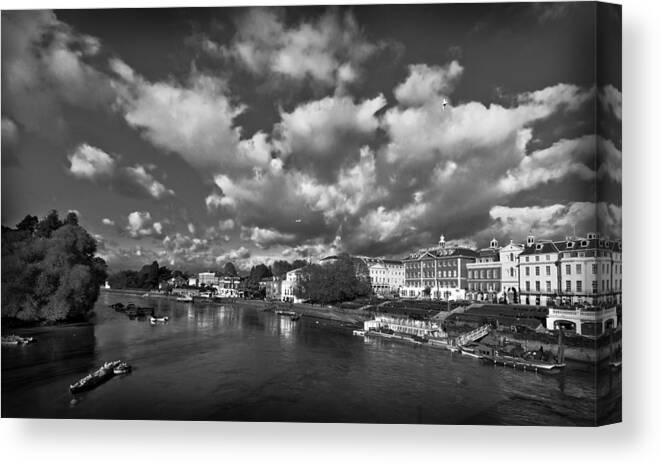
(121, 368)
(153, 318)
(119, 307)
(185, 299)
(525, 364)
(470, 352)
(16, 340)
(96, 378)
(359, 333)
(295, 317)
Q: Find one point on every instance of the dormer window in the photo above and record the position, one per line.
(584, 244)
(570, 244)
(607, 244)
(539, 247)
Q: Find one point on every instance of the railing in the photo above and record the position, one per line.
(474, 334)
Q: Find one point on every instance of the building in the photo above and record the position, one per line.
(587, 321)
(386, 275)
(509, 271)
(484, 275)
(438, 273)
(206, 278)
(227, 287)
(575, 271)
(291, 285)
(272, 287)
(538, 272)
(192, 281)
(590, 270)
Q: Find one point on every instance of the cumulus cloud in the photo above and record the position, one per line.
(45, 65)
(330, 50)
(426, 82)
(139, 176)
(108, 222)
(140, 224)
(611, 100)
(91, 163)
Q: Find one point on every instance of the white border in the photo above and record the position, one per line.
(636, 441)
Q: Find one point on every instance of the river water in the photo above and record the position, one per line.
(235, 362)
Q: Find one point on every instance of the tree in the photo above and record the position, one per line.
(229, 270)
(49, 224)
(71, 219)
(29, 224)
(53, 275)
(299, 263)
(332, 283)
(280, 268)
(148, 276)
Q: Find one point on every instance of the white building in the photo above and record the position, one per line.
(509, 273)
(538, 272)
(206, 278)
(192, 281)
(291, 284)
(386, 275)
(586, 321)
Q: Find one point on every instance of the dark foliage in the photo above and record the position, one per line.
(49, 270)
(333, 283)
(229, 270)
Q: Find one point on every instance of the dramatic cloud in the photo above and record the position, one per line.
(44, 66)
(330, 50)
(425, 83)
(140, 224)
(108, 222)
(94, 164)
(140, 177)
(91, 163)
(611, 100)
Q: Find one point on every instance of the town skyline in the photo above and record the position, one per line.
(252, 135)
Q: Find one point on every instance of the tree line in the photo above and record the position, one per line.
(50, 272)
(344, 279)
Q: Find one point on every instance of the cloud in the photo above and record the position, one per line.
(140, 224)
(9, 132)
(108, 222)
(330, 51)
(91, 163)
(225, 225)
(553, 221)
(318, 137)
(45, 66)
(426, 82)
(139, 176)
(611, 100)
(265, 237)
(563, 158)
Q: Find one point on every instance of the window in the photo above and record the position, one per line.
(527, 271)
(548, 286)
(527, 286)
(511, 271)
(579, 286)
(568, 269)
(537, 271)
(548, 257)
(548, 270)
(511, 257)
(579, 269)
(594, 269)
(595, 288)
(537, 286)
(568, 286)
(537, 258)
(527, 258)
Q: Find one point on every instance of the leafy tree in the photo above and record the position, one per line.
(148, 276)
(29, 224)
(49, 224)
(280, 268)
(332, 283)
(299, 263)
(52, 275)
(71, 219)
(229, 270)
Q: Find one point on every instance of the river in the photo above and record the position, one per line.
(235, 362)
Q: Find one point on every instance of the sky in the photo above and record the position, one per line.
(200, 136)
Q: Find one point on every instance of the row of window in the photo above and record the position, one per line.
(484, 274)
(577, 286)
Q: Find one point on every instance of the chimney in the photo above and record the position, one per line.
(441, 242)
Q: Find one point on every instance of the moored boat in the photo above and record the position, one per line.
(16, 340)
(185, 299)
(121, 368)
(96, 378)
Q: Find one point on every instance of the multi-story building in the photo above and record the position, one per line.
(206, 278)
(538, 272)
(291, 285)
(575, 271)
(484, 275)
(590, 270)
(509, 271)
(227, 287)
(386, 275)
(272, 287)
(439, 273)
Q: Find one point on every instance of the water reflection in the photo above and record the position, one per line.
(231, 362)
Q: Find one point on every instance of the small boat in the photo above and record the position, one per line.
(295, 317)
(119, 307)
(155, 319)
(121, 368)
(359, 333)
(16, 340)
(185, 299)
(96, 378)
